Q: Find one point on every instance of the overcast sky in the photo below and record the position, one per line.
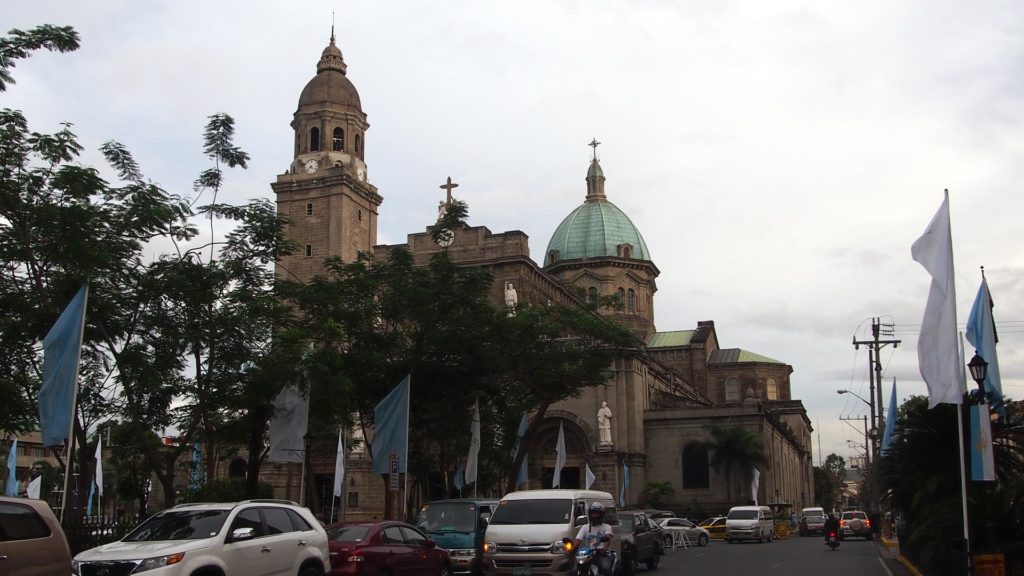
(778, 157)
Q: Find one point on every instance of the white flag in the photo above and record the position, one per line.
(560, 459)
(34, 487)
(339, 464)
(474, 446)
(754, 485)
(99, 465)
(590, 477)
(288, 426)
(938, 355)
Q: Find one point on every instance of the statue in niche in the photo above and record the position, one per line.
(604, 424)
(511, 298)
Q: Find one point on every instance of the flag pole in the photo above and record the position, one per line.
(963, 461)
(405, 488)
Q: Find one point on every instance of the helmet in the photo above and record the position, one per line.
(832, 515)
(596, 513)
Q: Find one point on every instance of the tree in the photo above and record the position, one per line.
(658, 494)
(20, 44)
(733, 449)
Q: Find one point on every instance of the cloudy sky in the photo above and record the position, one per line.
(779, 157)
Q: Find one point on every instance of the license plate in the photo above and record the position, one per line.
(524, 570)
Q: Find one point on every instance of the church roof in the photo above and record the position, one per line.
(739, 356)
(670, 339)
(330, 86)
(596, 228)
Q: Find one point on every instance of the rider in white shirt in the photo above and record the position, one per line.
(597, 535)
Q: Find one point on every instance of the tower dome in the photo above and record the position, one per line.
(330, 88)
(596, 229)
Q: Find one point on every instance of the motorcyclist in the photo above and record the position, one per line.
(831, 525)
(597, 535)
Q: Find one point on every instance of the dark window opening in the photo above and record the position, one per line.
(592, 294)
(309, 249)
(314, 140)
(360, 215)
(631, 301)
(353, 499)
(553, 256)
(309, 209)
(622, 297)
(338, 140)
(238, 468)
(358, 148)
(696, 474)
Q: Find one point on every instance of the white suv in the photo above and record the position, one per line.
(251, 538)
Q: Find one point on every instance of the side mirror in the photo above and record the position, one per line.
(242, 534)
(580, 521)
(431, 543)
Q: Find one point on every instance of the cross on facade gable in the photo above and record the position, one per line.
(448, 188)
(594, 144)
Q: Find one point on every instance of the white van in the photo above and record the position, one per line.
(749, 523)
(524, 535)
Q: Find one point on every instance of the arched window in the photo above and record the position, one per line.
(622, 297)
(732, 390)
(772, 389)
(696, 475)
(237, 468)
(314, 140)
(592, 294)
(338, 141)
(358, 147)
(553, 256)
(631, 301)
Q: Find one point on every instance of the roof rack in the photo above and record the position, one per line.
(200, 504)
(269, 501)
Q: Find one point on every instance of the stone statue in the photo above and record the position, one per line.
(604, 424)
(511, 298)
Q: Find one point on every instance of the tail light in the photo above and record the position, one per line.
(867, 523)
(842, 522)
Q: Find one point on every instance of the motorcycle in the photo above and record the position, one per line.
(583, 559)
(833, 540)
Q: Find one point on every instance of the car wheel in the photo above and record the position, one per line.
(652, 564)
(310, 571)
(628, 564)
(702, 540)
(668, 541)
(446, 570)
(771, 536)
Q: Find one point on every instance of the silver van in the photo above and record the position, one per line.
(749, 523)
(524, 536)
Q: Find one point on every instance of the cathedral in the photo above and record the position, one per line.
(663, 397)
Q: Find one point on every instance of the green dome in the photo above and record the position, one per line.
(593, 230)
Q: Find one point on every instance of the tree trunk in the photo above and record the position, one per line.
(257, 432)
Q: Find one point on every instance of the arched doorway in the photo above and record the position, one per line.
(577, 447)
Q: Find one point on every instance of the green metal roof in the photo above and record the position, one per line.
(738, 355)
(670, 339)
(595, 229)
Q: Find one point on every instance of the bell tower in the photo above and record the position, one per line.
(330, 205)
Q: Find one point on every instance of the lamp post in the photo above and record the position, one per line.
(979, 371)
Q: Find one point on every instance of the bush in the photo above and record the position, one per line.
(225, 490)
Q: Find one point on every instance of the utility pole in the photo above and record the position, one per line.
(864, 419)
(875, 346)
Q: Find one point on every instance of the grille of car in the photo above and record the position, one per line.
(107, 568)
(528, 548)
(518, 563)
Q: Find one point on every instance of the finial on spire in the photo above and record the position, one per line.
(594, 144)
(332, 26)
(982, 272)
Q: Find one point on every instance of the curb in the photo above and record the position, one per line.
(910, 567)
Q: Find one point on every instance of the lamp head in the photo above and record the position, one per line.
(842, 391)
(978, 368)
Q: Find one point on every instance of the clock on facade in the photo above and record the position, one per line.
(361, 174)
(311, 166)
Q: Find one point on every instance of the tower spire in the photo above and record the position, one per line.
(595, 176)
(332, 26)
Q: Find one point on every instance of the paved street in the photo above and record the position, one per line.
(793, 557)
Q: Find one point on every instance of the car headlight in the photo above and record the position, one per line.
(559, 547)
(74, 567)
(490, 547)
(159, 562)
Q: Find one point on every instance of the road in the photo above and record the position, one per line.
(793, 557)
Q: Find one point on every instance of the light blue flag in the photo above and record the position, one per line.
(391, 429)
(890, 425)
(625, 485)
(61, 349)
(460, 479)
(88, 505)
(11, 488)
(196, 479)
(981, 332)
(524, 424)
(983, 466)
(522, 479)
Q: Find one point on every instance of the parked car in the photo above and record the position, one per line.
(715, 527)
(643, 541)
(31, 541)
(252, 537)
(695, 535)
(854, 523)
(458, 526)
(749, 523)
(811, 524)
(659, 515)
(385, 547)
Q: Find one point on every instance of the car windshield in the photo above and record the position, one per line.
(448, 517)
(742, 515)
(627, 521)
(179, 525)
(347, 533)
(852, 515)
(547, 511)
(815, 518)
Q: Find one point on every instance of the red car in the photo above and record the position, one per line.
(384, 547)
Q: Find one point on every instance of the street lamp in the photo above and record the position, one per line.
(979, 371)
(874, 431)
(854, 394)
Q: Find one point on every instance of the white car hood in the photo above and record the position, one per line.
(121, 550)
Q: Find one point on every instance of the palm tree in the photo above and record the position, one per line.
(735, 448)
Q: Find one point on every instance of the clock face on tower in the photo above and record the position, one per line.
(311, 166)
(361, 174)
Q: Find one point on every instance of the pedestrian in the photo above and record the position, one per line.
(792, 520)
